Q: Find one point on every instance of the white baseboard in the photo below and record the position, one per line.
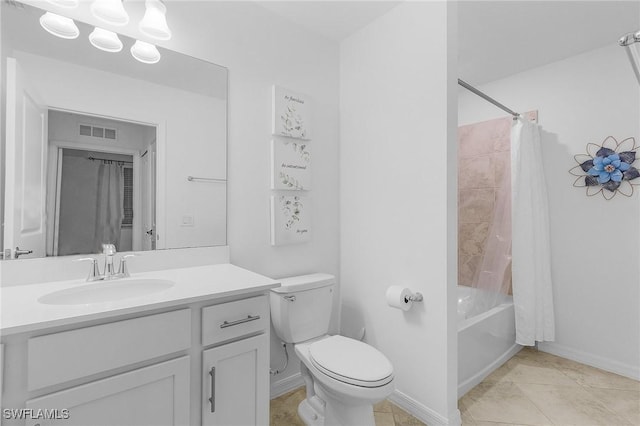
(287, 384)
(424, 413)
(607, 364)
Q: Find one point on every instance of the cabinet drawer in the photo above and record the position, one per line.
(234, 319)
(60, 357)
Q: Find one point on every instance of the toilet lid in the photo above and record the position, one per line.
(351, 361)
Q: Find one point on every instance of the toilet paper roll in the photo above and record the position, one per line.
(398, 297)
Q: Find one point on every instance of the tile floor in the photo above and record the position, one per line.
(536, 388)
(284, 412)
(532, 388)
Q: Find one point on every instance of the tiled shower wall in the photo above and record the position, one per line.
(483, 159)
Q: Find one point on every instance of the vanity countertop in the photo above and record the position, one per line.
(22, 312)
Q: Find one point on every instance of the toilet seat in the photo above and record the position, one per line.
(351, 361)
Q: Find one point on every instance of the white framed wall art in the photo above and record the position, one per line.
(290, 219)
(291, 114)
(290, 164)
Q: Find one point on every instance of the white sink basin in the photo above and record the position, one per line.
(106, 291)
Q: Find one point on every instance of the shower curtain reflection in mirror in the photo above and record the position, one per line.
(92, 199)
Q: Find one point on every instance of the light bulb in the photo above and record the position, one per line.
(67, 4)
(105, 40)
(59, 26)
(154, 22)
(145, 52)
(110, 11)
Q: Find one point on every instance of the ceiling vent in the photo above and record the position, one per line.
(98, 132)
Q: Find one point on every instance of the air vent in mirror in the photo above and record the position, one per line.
(98, 132)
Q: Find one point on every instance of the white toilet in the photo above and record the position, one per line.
(344, 377)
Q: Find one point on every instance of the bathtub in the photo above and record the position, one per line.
(485, 340)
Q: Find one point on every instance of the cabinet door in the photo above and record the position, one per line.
(236, 383)
(155, 396)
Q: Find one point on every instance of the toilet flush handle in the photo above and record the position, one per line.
(290, 298)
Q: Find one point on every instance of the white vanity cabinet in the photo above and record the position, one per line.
(235, 381)
(204, 362)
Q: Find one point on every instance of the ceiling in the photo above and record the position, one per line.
(335, 20)
(501, 38)
(496, 38)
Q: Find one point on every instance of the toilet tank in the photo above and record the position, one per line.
(301, 307)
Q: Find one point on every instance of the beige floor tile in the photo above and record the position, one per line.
(283, 411)
(625, 403)
(525, 370)
(582, 374)
(402, 418)
(467, 420)
(498, 424)
(570, 405)
(502, 403)
(384, 418)
(406, 420)
(382, 407)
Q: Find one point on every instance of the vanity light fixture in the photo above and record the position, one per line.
(59, 26)
(110, 11)
(105, 40)
(67, 4)
(154, 22)
(145, 52)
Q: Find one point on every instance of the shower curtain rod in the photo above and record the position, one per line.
(488, 98)
(627, 41)
(108, 159)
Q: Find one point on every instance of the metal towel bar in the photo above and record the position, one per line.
(193, 178)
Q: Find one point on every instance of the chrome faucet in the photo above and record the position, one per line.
(109, 251)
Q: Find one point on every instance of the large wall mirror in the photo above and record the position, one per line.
(100, 148)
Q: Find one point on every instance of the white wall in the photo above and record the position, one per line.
(397, 178)
(595, 243)
(261, 49)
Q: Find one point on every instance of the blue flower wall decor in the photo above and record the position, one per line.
(607, 168)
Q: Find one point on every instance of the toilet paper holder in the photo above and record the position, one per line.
(416, 297)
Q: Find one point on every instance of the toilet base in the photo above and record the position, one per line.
(343, 412)
(323, 410)
(309, 415)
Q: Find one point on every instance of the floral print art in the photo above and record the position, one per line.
(608, 169)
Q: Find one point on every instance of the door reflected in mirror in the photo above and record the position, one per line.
(105, 180)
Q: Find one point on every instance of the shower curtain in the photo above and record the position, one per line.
(492, 278)
(109, 209)
(531, 269)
